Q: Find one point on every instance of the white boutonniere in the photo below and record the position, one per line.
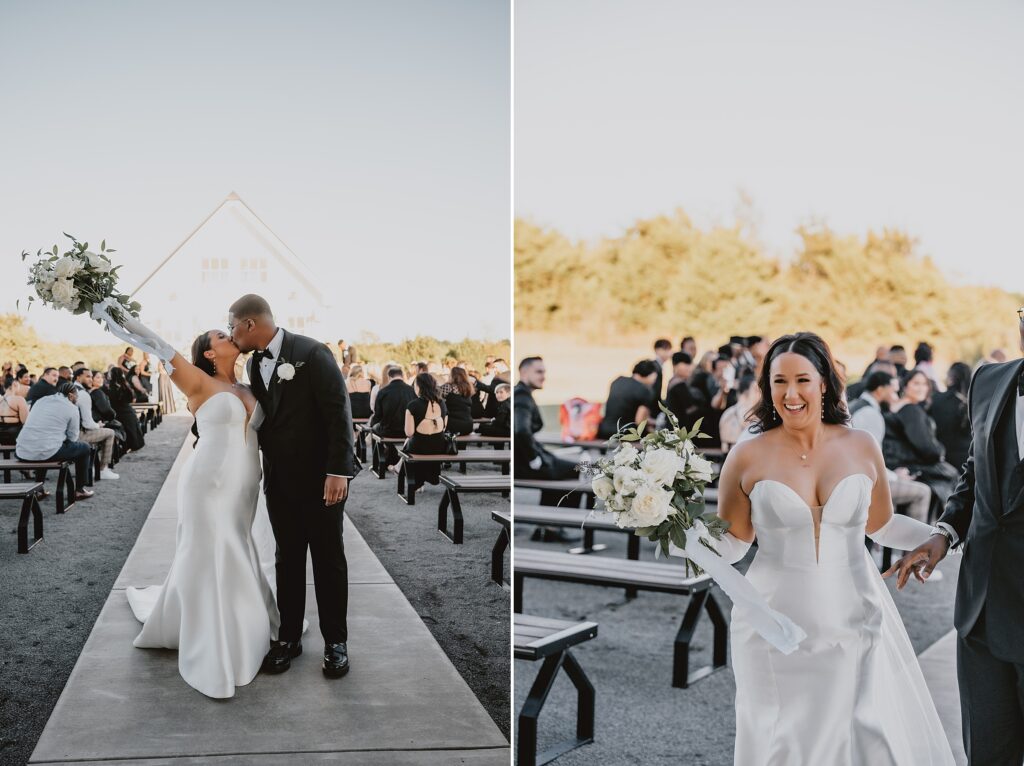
(286, 370)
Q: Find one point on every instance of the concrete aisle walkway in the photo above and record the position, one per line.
(938, 663)
(403, 702)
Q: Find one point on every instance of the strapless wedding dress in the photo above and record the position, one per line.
(853, 693)
(217, 604)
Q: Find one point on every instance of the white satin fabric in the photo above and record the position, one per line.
(853, 692)
(217, 604)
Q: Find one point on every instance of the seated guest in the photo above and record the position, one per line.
(689, 345)
(502, 423)
(45, 386)
(458, 394)
(684, 402)
(426, 419)
(64, 373)
(6, 376)
(867, 412)
(723, 385)
(949, 411)
(390, 404)
(910, 441)
(101, 407)
(93, 432)
(733, 425)
(13, 408)
(923, 362)
(121, 398)
(881, 355)
(359, 389)
(51, 433)
(629, 399)
(854, 390)
(662, 356)
(898, 356)
(702, 378)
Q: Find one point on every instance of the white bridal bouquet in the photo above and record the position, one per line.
(654, 485)
(79, 280)
(84, 282)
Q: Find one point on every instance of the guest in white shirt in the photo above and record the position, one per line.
(866, 414)
(51, 433)
(93, 432)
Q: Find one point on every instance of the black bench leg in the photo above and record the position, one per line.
(408, 494)
(681, 676)
(65, 483)
(588, 543)
(633, 554)
(450, 498)
(30, 506)
(721, 651)
(585, 699)
(527, 747)
(517, 593)
(456, 517)
(498, 557)
(377, 467)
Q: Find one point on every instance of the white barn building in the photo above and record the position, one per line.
(231, 253)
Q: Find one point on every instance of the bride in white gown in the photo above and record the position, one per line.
(809, 488)
(216, 606)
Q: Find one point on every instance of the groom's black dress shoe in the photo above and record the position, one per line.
(280, 656)
(335, 660)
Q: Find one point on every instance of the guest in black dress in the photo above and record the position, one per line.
(121, 397)
(949, 411)
(629, 399)
(359, 389)
(426, 418)
(910, 441)
(458, 394)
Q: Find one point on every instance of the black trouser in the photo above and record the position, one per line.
(301, 524)
(991, 702)
(554, 468)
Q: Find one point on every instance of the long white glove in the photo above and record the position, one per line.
(132, 331)
(902, 532)
(732, 548)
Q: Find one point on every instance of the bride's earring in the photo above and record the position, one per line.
(823, 407)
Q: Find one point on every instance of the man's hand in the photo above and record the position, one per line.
(920, 562)
(335, 489)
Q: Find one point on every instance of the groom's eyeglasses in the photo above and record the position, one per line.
(231, 327)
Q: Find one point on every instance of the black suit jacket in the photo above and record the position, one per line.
(307, 430)
(990, 521)
(528, 421)
(389, 408)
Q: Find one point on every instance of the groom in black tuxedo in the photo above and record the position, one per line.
(308, 459)
(985, 514)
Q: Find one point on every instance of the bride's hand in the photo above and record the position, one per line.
(924, 558)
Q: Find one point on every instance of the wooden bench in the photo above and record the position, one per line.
(504, 518)
(408, 494)
(578, 518)
(65, 481)
(498, 442)
(378, 452)
(641, 575)
(362, 430)
(601, 445)
(148, 414)
(7, 451)
(457, 485)
(540, 638)
(28, 493)
(563, 492)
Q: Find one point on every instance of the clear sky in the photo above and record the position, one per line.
(372, 137)
(862, 114)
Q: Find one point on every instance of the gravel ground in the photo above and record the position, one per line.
(53, 595)
(448, 585)
(641, 719)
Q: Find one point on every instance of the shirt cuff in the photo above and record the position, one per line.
(948, 528)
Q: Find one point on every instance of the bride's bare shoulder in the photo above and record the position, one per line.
(748, 452)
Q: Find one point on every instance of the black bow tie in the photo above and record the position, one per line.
(259, 356)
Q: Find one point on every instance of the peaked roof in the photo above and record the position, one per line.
(264, 234)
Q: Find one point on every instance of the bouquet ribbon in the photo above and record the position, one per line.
(101, 311)
(774, 627)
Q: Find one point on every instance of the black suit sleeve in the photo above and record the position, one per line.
(920, 434)
(960, 506)
(524, 433)
(331, 397)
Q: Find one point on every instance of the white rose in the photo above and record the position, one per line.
(626, 454)
(651, 506)
(286, 371)
(98, 263)
(66, 267)
(615, 502)
(627, 480)
(602, 487)
(626, 520)
(661, 466)
(700, 468)
(64, 292)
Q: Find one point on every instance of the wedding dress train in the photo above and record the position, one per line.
(853, 692)
(217, 604)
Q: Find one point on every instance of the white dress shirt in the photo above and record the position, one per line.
(84, 404)
(870, 418)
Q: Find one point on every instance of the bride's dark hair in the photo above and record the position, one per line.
(815, 350)
(199, 347)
